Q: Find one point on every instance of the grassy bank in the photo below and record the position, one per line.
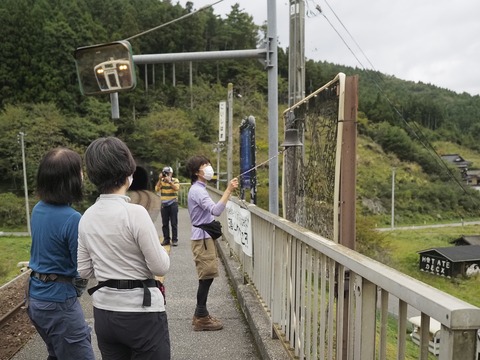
(12, 251)
(405, 245)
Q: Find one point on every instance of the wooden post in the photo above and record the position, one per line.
(347, 187)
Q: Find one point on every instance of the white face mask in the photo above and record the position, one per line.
(208, 172)
(130, 180)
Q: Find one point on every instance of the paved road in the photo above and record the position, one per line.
(413, 227)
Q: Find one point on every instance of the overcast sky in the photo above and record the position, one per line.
(433, 41)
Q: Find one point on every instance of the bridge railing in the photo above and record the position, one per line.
(183, 194)
(326, 301)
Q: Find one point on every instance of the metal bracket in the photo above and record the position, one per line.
(267, 44)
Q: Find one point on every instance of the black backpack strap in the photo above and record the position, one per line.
(100, 285)
(147, 296)
(128, 284)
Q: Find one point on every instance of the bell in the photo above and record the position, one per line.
(291, 138)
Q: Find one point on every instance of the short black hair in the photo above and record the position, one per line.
(109, 162)
(59, 177)
(194, 164)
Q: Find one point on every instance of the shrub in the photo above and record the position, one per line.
(12, 211)
(370, 242)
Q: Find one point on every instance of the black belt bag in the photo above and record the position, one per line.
(51, 277)
(214, 229)
(131, 284)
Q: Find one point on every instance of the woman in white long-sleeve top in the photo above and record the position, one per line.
(119, 246)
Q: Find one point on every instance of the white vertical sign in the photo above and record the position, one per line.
(222, 120)
(240, 226)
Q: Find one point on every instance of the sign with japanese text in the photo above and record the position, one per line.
(240, 226)
(222, 120)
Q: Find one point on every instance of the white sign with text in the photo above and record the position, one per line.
(222, 120)
(240, 226)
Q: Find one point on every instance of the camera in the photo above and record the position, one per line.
(164, 173)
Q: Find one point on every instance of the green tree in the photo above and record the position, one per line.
(42, 125)
(162, 137)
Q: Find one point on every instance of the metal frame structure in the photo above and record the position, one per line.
(269, 53)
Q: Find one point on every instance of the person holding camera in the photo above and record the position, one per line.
(168, 187)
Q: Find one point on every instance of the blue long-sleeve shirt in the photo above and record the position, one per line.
(53, 250)
(202, 209)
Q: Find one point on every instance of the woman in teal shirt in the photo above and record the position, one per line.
(53, 306)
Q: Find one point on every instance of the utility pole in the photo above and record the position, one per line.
(27, 207)
(293, 184)
(296, 54)
(393, 199)
(230, 130)
(272, 68)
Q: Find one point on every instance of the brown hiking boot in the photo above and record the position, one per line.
(195, 318)
(206, 323)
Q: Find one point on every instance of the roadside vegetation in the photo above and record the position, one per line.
(12, 251)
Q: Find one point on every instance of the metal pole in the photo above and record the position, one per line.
(115, 106)
(272, 65)
(293, 184)
(199, 56)
(27, 206)
(393, 198)
(146, 79)
(230, 131)
(218, 165)
(174, 80)
(153, 76)
(191, 85)
(296, 55)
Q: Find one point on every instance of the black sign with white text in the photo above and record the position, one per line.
(436, 265)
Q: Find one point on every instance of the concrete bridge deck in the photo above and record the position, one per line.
(245, 333)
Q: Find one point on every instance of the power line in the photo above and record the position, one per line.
(418, 132)
(174, 20)
(341, 37)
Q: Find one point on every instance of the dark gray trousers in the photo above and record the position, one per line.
(132, 335)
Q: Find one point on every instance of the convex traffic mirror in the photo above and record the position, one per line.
(105, 68)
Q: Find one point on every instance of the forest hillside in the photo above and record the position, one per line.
(401, 124)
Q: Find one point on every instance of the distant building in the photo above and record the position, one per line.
(451, 261)
(457, 161)
(466, 240)
(473, 179)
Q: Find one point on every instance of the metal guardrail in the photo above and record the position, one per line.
(183, 194)
(326, 301)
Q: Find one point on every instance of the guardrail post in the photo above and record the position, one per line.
(458, 344)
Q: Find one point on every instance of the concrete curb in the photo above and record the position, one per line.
(255, 314)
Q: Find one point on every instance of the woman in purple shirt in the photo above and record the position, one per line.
(202, 210)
